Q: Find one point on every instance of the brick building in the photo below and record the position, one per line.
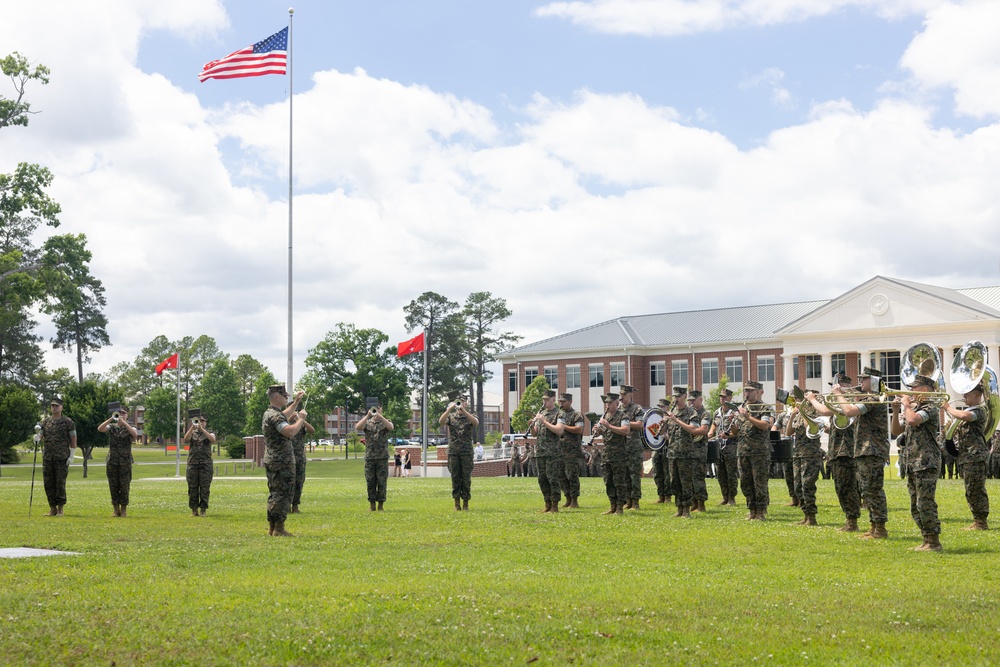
(779, 345)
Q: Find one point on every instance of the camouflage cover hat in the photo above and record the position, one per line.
(277, 389)
(726, 392)
(56, 401)
(923, 380)
(752, 384)
(869, 372)
(607, 398)
(663, 402)
(566, 397)
(694, 393)
(680, 391)
(549, 394)
(840, 378)
(627, 389)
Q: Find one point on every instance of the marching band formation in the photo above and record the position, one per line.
(740, 441)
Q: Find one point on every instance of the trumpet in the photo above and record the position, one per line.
(196, 423)
(372, 412)
(115, 416)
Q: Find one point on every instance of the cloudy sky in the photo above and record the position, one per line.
(582, 159)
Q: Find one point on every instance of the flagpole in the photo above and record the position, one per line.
(288, 381)
(177, 440)
(423, 405)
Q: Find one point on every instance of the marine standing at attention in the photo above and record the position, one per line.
(58, 438)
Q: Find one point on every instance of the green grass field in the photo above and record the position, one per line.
(501, 584)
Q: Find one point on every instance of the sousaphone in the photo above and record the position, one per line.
(970, 370)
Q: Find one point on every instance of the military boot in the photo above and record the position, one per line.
(761, 515)
(575, 504)
(732, 501)
(922, 546)
(614, 506)
(59, 511)
(725, 501)
(878, 532)
(465, 504)
(850, 526)
(371, 505)
(118, 510)
(810, 520)
(979, 524)
(686, 512)
(279, 530)
(794, 502)
(121, 511)
(458, 504)
(295, 509)
(753, 515)
(270, 528)
(555, 506)
(548, 507)
(569, 501)
(618, 509)
(680, 512)
(635, 503)
(931, 543)
(53, 511)
(194, 512)
(660, 500)
(380, 506)
(203, 511)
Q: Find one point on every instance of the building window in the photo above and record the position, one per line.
(597, 375)
(765, 369)
(795, 368)
(734, 370)
(814, 366)
(617, 374)
(838, 364)
(679, 374)
(511, 380)
(572, 377)
(552, 377)
(888, 363)
(657, 374)
(529, 375)
(710, 371)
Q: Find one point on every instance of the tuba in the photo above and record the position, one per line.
(922, 359)
(970, 370)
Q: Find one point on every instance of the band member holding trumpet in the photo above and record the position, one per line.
(923, 458)
(871, 447)
(571, 447)
(683, 423)
(634, 444)
(843, 467)
(661, 464)
(726, 468)
(462, 426)
(753, 449)
(279, 458)
(614, 428)
(973, 450)
(545, 427)
(199, 463)
(119, 463)
(807, 458)
(376, 428)
(696, 401)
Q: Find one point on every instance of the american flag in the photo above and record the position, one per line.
(265, 57)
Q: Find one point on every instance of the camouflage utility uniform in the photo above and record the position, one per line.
(548, 458)
(460, 436)
(788, 467)
(376, 459)
(807, 461)
(844, 471)
(56, 439)
(701, 447)
(279, 464)
(615, 462)
(970, 439)
(683, 455)
(299, 451)
(571, 448)
(199, 470)
(634, 446)
(753, 449)
(727, 469)
(119, 464)
(871, 453)
(923, 463)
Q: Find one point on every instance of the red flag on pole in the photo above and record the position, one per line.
(169, 362)
(410, 346)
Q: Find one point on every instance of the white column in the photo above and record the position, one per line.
(948, 358)
(864, 359)
(786, 372)
(826, 374)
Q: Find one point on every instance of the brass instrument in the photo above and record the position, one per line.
(922, 359)
(970, 370)
(797, 399)
(372, 412)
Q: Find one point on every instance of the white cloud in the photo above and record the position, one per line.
(771, 79)
(682, 17)
(958, 48)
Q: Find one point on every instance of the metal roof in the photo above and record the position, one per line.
(989, 296)
(958, 297)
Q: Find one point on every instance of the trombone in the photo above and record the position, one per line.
(797, 399)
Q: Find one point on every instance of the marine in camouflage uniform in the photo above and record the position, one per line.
(199, 466)
(995, 456)
(843, 467)
(614, 429)
(596, 461)
(571, 423)
(299, 450)
(514, 464)
(548, 456)
(701, 444)
(788, 467)
(279, 458)
(58, 438)
(634, 445)
(923, 460)
(871, 449)
(727, 470)
(807, 460)
(661, 465)
(751, 428)
(683, 454)
(119, 463)
(462, 426)
(970, 442)
(376, 429)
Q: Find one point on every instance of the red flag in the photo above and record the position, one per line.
(410, 346)
(169, 362)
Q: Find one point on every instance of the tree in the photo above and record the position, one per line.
(50, 384)
(482, 313)
(161, 413)
(15, 66)
(713, 402)
(138, 378)
(200, 354)
(530, 404)
(75, 298)
(442, 324)
(18, 416)
(248, 371)
(86, 403)
(350, 364)
(258, 403)
(221, 401)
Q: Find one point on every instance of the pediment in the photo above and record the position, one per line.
(882, 303)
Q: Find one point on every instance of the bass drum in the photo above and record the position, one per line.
(713, 451)
(781, 450)
(651, 419)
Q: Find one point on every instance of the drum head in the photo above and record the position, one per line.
(650, 425)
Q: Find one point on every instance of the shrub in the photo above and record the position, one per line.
(235, 447)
